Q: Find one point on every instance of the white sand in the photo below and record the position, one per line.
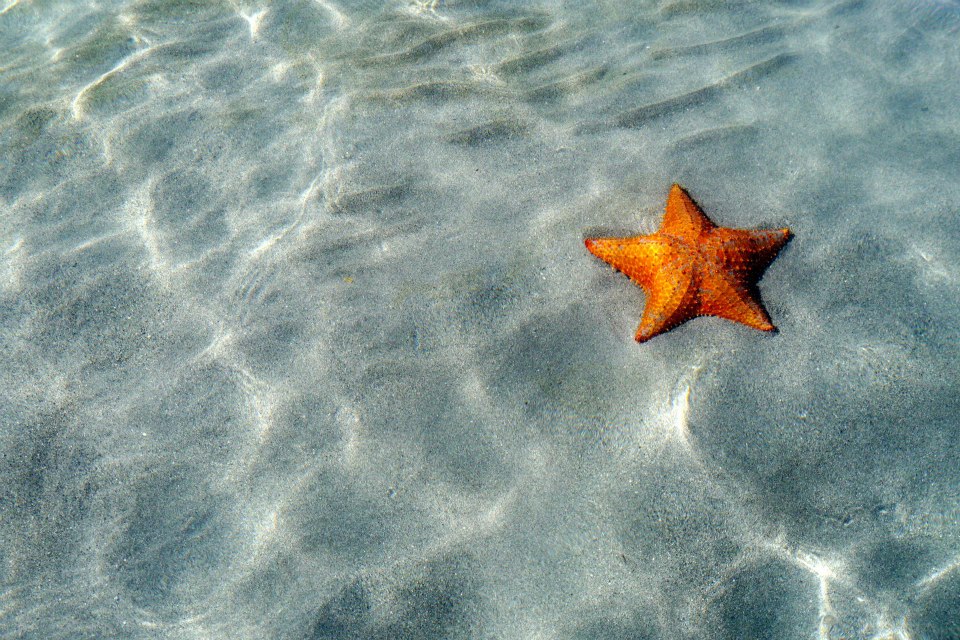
(300, 339)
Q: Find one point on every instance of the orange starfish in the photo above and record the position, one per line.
(691, 267)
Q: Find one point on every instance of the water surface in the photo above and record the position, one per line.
(300, 339)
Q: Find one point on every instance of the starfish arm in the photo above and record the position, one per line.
(748, 250)
(683, 217)
(671, 300)
(639, 257)
(725, 295)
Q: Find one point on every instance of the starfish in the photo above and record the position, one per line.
(691, 267)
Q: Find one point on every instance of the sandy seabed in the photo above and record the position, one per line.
(300, 338)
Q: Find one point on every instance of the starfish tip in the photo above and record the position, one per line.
(595, 246)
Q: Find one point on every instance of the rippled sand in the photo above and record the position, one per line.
(300, 339)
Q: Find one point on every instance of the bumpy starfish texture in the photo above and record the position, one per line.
(691, 267)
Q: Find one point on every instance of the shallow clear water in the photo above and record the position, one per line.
(300, 338)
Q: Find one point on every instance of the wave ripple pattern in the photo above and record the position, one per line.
(300, 339)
